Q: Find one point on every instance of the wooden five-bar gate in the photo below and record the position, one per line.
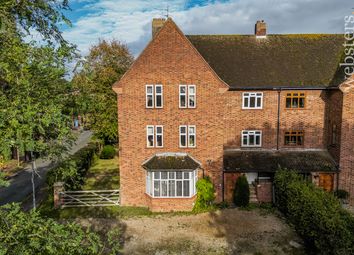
(88, 198)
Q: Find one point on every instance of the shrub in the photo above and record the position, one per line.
(29, 233)
(242, 192)
(205, 195)
(317, 215)
(108, 152)
(73, 170)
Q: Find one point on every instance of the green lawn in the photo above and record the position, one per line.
(104, 174)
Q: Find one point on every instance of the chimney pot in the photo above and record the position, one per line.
(157, 24)
(261, 29)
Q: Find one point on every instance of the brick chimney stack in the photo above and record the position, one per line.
(261, 29)
(157, 24)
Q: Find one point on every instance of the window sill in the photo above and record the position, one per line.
(160, 198)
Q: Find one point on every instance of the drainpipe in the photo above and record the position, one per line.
(278, 120)
(223, 186)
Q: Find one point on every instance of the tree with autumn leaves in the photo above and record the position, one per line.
(105, 64)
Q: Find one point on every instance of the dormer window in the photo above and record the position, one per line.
(187, 96)
(154, 96)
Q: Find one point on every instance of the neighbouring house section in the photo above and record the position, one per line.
(260, 166)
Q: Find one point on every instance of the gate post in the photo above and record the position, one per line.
(58, 187)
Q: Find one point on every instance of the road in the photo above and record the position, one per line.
(21, 186)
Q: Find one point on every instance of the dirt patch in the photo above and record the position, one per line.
(229, 231)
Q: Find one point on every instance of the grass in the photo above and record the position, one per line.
(104, 174)
(10, 167)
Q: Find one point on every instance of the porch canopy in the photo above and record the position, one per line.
(270, 161)
(171, 161)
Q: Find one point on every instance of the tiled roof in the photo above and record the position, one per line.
(171, 161)
(303, 60)
(270, 161)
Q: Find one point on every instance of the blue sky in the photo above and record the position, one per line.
(130, 20)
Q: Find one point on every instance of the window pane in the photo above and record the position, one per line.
(156, 188)
(158, 89)
(178, 175)
(246, 102)
(164, 188)
(151, 140)
(191, 101)
(171, 188)
(191, 130)
(182, 89)
(171, 175)
(302, 102)
(186, 175)
(183, 130)
(288, 103)
(156, 175)
(192, 140)
(191, 89)
(295, 103)
(252, 102)
(251, 139)
(164, 175)
(179, 188)
(186, 188)
(183, 101)
(287, 140)
(159, 140)
(258, 140)
(149, 100)
(183, 140)
(245, 140)
(259, 102)
(158, 101)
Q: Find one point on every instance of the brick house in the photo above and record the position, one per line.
(226, 105)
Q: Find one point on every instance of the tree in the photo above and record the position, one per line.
(105, 64)
(241, 192)
(32, 85)
(29, 233)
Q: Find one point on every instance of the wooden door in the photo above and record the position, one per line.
(326, 182)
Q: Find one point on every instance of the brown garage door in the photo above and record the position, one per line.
(326, 181)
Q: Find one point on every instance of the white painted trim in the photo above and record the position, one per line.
(253, 146)
(146, 96)
(255, 95)
(185, 94)
(157, 126)
(157, 94)
(193, 94)
(195, 136)
(147, 136)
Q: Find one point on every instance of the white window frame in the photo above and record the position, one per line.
(188, 135)
(195, 136)
(183, 94)
(147, 136)
(183, 134)
(156, 134)
(149, 94)
(158, 94)
(150, 183)
(192, 94)
(187, 94)
(253, 132)
(153, 95)
(249, 95)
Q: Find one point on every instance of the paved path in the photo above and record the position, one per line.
(21, 186)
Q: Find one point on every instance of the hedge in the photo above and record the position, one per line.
(108, 152)
(73, 170)
(317, 215)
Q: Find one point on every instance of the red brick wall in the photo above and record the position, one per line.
(346, 177)
(229, 186)
(169, 60)
(311, 119)
(170, 204)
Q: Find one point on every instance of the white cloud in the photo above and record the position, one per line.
(130, 21)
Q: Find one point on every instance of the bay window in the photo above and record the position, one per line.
(171, 183)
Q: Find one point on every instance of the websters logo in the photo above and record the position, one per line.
(348, 62)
